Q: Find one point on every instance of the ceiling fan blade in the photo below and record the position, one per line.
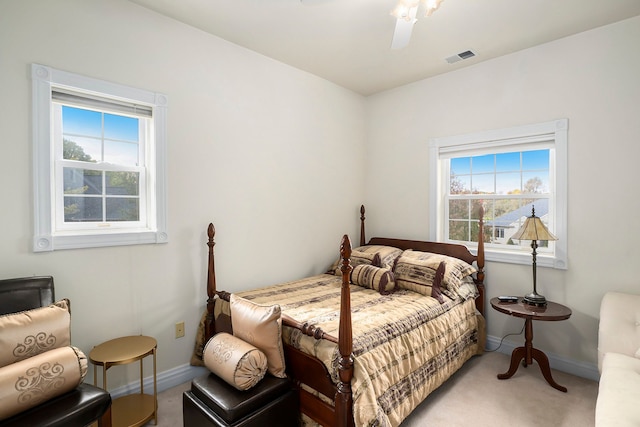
(404, 27)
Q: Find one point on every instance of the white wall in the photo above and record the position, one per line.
(593, 80)
(274, 156)
(270, 154)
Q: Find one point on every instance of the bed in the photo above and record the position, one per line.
(367, 355)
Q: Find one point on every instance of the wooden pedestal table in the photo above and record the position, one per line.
(135, 409)
(551, 312)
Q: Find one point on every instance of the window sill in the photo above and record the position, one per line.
(542, 260)
(45, 243)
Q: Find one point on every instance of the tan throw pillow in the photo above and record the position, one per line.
(357, 258)
(237, 362)
(35, 380)
(388, 254)
(415, 269)
(369, 276)
(28, 333)
(261, 326)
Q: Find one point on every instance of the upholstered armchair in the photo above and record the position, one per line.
(41, 374)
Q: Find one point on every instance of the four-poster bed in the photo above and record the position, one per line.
(322, 365)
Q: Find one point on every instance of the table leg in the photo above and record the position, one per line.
(517, 355)
(527, 354)
(543, 362)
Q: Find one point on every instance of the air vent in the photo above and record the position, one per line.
(460, 56)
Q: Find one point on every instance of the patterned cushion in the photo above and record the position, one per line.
(35, 380)
(388, 254)
(261, 326)
(455, 272)
(238, 363)
(415, 270)
(357, 258)
(372, 277)
(28, 333)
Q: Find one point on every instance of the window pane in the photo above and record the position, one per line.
(461, 165)
(459, 230)
(82, 209)
(483, 164)
(507, 162)
(508, 183)
(459, 209)
(122, 183)
(81, 148)
(483, 183)
(535, 160)
(460, 184)
(81, 122)
(120, 127)
(536, 182)
(122, 209)
(121, 153)
(82, 181)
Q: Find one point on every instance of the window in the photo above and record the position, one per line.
(99, 162)
(509, 173)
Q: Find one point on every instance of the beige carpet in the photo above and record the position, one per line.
(474, 396)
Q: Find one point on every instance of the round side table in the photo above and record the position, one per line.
(552, 311)
(135, 409)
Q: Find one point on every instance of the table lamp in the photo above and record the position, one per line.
(533, 229)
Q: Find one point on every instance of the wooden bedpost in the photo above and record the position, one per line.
(344, 396)
(480, 262)
(362, 236)
(211, 285)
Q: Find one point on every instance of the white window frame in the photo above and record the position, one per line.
(553, 135)
(47, 235)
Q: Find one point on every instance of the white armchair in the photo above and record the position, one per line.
(619, 361)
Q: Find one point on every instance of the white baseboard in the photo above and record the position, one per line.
(186, 372)
(164, 380)
(573, 367)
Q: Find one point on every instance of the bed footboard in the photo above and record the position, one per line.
(302, 368)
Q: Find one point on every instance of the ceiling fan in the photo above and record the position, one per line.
(405, 13)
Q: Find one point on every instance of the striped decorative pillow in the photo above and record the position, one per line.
(416, 270)
(357, 258)
(388, 254)
(369, 276)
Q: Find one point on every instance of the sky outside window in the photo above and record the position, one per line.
(118, 139)
(502, 173)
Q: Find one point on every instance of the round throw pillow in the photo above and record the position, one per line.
(235, 361)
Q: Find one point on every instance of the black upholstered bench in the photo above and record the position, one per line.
(213, 402)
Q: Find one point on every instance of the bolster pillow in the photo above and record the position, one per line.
(35, 380)
(235, 361)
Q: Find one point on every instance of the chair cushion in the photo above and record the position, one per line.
(231, 404)
(79, 407)
(618, 392)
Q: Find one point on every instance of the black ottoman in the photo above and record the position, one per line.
(213, 402)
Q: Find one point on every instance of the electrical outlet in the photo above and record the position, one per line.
(179, 329)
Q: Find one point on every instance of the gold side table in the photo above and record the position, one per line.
(135, 409)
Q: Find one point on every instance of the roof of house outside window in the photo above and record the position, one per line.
(507, 220)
